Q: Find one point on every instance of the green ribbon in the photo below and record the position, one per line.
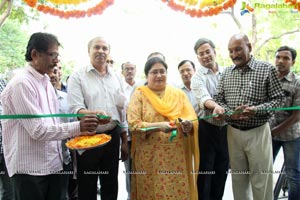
(173, 133)
(282, 108)
(25, 116)
(266, 109)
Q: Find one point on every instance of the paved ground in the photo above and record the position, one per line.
(228, 191)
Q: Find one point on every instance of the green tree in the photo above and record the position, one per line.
(271, 27)
(13, 39)
(5, 9)
(12, 46)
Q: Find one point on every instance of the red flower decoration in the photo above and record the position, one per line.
(198, 12)
(96, 10)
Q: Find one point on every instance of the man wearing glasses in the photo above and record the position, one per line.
(32, 146)
(110, 62)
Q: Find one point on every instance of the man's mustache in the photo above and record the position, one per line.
(237, 58)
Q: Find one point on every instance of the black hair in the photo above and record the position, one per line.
(41, 42)
(202, 41)
(149, 64)
(290, 49)
(185, 61)
(154, 54)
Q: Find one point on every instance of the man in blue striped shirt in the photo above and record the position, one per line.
(214, 159)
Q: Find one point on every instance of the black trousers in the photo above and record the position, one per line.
(6, 189)
(49, 187)
(214, 161)
(100, 162)
(72, 182)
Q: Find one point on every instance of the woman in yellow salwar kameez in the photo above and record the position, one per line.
(162, 169)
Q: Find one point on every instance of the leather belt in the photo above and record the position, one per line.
(244, 128)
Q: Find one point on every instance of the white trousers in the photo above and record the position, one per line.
(251, 161)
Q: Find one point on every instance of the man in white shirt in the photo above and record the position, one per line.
(97, 89)
(128, 71)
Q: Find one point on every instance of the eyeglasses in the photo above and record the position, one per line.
(110, 62)
(156, 72)
(53, 55)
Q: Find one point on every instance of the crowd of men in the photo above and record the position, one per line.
(244, 133)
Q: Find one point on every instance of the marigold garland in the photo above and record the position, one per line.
(74, 2)
(194, 8)
(96, 10)
(202, 8)
(295, 3)
(31, 3)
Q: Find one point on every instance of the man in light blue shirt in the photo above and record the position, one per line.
(186, 70)
(63, 109)
(214, 159)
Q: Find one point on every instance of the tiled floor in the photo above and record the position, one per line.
(228, 191)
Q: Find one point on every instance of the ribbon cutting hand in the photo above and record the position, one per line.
(243, 112)
(103, 117)
(218, 112)
(89, 123)
(168, 127)
(186, 125)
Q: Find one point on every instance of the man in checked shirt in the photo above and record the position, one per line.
(248, 89)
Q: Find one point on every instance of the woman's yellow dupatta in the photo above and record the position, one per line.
(175, 104)
(170, 105)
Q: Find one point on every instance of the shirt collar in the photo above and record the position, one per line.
(37, 75)
(205, 70)
(289, 77)
(183, 87)
(250, 64)
(92, 68)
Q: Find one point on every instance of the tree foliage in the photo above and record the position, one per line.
(270, 29)
(12, 46)
(13, 38)
(5, 9)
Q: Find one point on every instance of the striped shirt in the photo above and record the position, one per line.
(257, 85)
(2, 86)
(291, 87)
(33, 146)
(204, 87)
